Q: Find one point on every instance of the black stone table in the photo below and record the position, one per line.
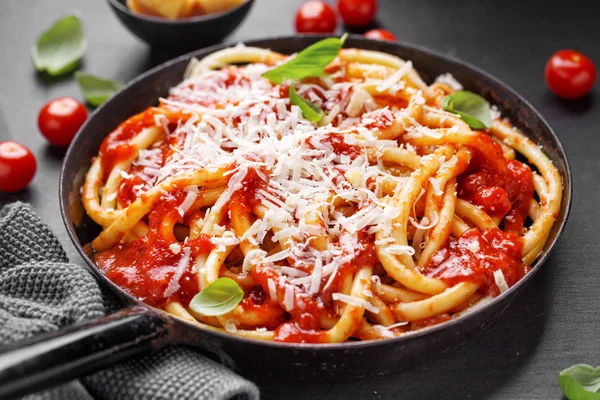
(553, 324)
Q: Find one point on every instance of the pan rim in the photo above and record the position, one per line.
(353, 345)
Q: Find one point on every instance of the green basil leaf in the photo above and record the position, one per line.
(310, 110)
(59, 49)
(309, 62)
(218, 298)
(580, 382)
(472, 108)
(96, 90)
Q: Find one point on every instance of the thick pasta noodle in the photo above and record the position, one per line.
(387, 216)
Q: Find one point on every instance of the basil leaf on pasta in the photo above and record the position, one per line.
(310, 62)
(59, 49)
(310, 110)
(96, 90)
(472, 108)
(580, 382)
(218, 298)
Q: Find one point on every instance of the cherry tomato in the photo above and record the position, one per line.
(60, 119)
(380, 34)
(315, 16)
(17, 166)
(570, 74)
(357, 12)
(493, 200)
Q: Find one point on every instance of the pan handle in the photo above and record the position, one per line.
(56, 357)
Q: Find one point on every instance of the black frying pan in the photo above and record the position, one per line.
(78, 350)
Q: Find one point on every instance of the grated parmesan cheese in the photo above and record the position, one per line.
(288, 299)
(473, 246)
(449, 80)
(173, 286)
(252, 259)
(355, 301)
(175, 248)
(500, 281)
(425, 224)
(399, 249)
(393, 82)
(384, 331)
(187, 203)
(435, 184)
(227, 239)
(272, 289)
(230, 326)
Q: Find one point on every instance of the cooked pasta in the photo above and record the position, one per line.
(180, 9)
(386, 216)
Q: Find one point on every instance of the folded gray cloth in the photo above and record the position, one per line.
(40, 292)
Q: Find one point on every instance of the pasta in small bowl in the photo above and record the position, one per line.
(184, 24)
(180, 9)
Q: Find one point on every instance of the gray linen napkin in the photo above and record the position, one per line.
(40, 292)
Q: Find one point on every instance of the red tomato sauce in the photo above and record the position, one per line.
(431, 321)
(304, 325)
(380, 121)
(268, 310)
(474, 257)
(366, 256)
(304, 328)
(340, 147)
(136, 178)
(502, 188)
(116, 146)
(145, 267)
(246, 198)
(303, 305)
(126, 193)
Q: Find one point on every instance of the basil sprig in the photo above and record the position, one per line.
(580, 382)
(310, 62)
(218, 298)
(310, 110)
(96, 90)
(59, 49)
(472, 108)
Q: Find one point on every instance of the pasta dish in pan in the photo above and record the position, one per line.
(342, 205)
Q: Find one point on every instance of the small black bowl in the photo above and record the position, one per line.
(186, 33)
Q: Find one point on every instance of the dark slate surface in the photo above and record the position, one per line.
(552, 325)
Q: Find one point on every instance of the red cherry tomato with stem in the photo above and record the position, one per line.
(17, 166)
(380, 34)
(357, 12)
(570, 74)
(315, 16)
(60, 119)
